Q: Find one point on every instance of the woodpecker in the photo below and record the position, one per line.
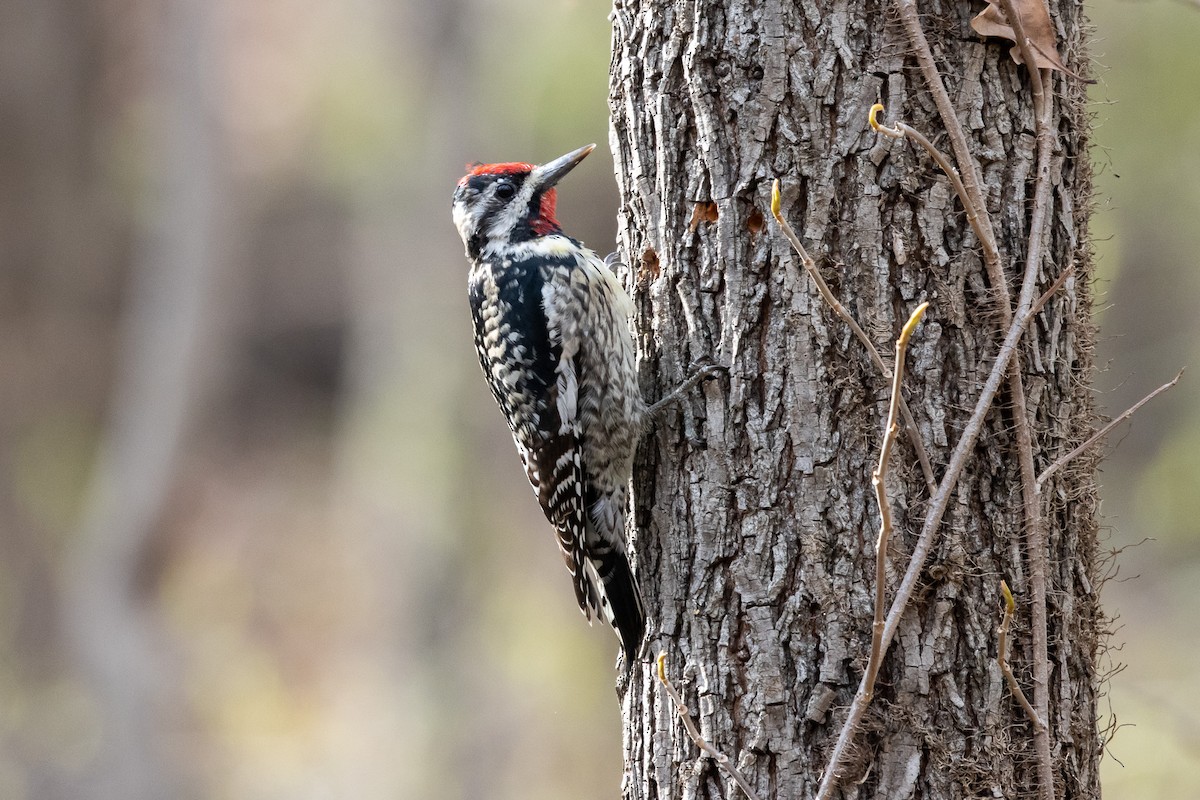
(553, 339)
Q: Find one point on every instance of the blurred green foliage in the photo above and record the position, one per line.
(1147, 241)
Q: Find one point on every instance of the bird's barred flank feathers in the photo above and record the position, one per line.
(558, 481)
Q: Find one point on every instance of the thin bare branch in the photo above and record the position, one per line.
(903, 130)
(1002, 658)
(1007, 362)
(1054, 287)
(679, 392)
(980, 223)
(958, 139)
(879, 482)
(1035, 523)
(1100, 434)
(1027, 50)
(1031, 509)
(1041, 207)
(810, 267)
(826, 293)
(689, 724)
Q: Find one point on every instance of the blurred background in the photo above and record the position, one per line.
(262, 531)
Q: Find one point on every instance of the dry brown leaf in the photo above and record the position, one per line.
(1039, 30)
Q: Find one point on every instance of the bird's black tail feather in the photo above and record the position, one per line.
(621, 601)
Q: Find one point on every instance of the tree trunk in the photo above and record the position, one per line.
(755, 514)
(169, 324)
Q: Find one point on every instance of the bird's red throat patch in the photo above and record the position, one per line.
(546, 222)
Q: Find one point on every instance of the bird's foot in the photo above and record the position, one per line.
(700, 372)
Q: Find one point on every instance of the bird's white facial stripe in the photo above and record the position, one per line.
(508, 217)
(466, 218)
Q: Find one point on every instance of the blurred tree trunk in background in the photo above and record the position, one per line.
(170, 317)
(66, 239)
(755, 515)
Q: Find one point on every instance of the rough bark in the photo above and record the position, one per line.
(755, 517)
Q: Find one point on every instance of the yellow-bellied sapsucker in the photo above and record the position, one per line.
(553, 338)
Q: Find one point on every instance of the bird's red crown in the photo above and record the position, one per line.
(510, 168)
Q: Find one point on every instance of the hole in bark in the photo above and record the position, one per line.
(650, 267)
(703, 212)
(754, 223)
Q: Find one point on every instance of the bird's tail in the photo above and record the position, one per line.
(620, 600)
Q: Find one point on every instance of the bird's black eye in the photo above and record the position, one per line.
(505, 190)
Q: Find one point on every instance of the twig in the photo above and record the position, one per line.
(1034, 521)
(976, 210)
(1035, 524)
(1002, 658)
(878, 481)
(980, 223)
(969, 193)
(686, 715)
(975, 215)
(810, 267)
(1040, 303)
(958, 138)
(1100, 434)
(679, 392)
(879, 639)
(1027, 51)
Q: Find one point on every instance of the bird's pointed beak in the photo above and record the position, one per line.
(551, 173)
